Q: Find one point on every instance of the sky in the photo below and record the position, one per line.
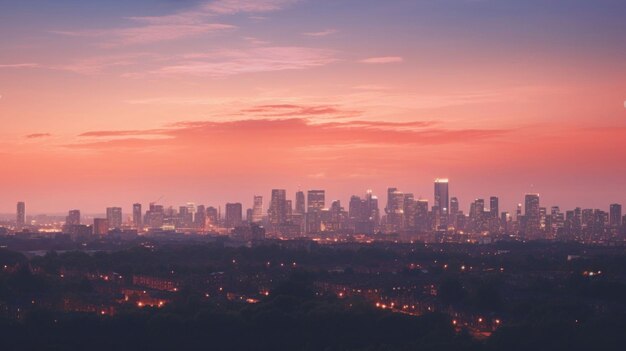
(106, 103)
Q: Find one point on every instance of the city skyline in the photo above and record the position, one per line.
(124, 101)
(291, 196)
(312, 175)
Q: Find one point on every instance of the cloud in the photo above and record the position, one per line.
(320, 33)
(98, 64)
(182, 24)
(251, 60)
(283, 134)
(290, 110)
(382, 60)
(148, 33)
(117, 133)
(230, 7)
(37, 135)
(20, 65)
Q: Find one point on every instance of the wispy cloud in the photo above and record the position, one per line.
(20, 65)
(37, 135)
(290, 110)
(230, 7)
(382, 60)
(148, 33)
(183, 24)
(320, 33)
(252, 60)
(292, 132)
(100, 64)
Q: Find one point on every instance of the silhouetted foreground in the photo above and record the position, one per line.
(48, 302)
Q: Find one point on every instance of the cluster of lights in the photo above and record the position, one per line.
(591, 273)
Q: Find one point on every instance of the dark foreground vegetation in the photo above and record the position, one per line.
(79, 301)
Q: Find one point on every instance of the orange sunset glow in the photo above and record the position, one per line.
(212, 101)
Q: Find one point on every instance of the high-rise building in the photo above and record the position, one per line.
(441, 196)
(395, 210)
(615, 215)
(212, 216)
(20, 221)
(114, 216)
(234, 213)
(257, 209)
(532, 216)
(454, 207)
(73, 218)
(185, 217)
(371, 201)
(422, 223)
(200, 217)
(300, 203)
(316, 201)
(137, 216)
(100, 226)
(155, 216)
(409, 208)
(277, 212)
(494, 207)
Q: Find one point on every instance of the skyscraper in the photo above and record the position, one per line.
(494, 207)
(73, 218)
(114, 216)
(454, 207)
(615, 215)
(422, 223)
(395, 210)
(441, 208)
(257, 209)
(532, 216)
(441, 196)
(212, 216)
(234, 214)
(200, 217)
(300, 203)
(277, 212)
(137, 216)
(21, 215)
(316, 201)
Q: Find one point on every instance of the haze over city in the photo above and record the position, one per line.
(110, 103)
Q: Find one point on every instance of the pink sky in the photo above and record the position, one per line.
(215, 101)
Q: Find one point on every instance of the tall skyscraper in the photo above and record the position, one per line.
(441, 196)
(73, 218)
(454, 207)
(212, 216)
(277, 212)
(114, 216)
(200, 217)
(532, 216)
(615, 215)
(234, 214)
(372, 208)
(494, 207)
(300, 203)
(316, 201)
(137, 216)
(422, 223)
(395, 210)
(20, 220)
(257, 209)
(155, 216)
